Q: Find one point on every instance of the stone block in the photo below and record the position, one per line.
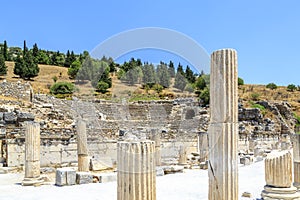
(245, 161)
(10, 117)
(173, 169)
(98, 165)
(204, 165)
(106, 177)
(65, 176)
(84, 178)
(160, 171)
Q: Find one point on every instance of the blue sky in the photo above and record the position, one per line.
(264, 32)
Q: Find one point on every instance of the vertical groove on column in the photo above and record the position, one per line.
(223, 130)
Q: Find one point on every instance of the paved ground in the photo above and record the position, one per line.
(191, 185)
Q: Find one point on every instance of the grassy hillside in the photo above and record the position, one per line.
(44, 80)
(249, 93)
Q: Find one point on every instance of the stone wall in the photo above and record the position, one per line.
(17, 90)
(179, 121)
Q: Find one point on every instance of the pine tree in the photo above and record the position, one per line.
(25, 49)
(180, 81)
(163, 75)
(26, 67)
(3, 67)
(171, 69)
(35, 53)
(5, 53)
(180, 69)
(67, 60)
(189, 74)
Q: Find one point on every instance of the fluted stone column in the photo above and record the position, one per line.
(278, 175)
(156, 137)
(296, 148)
(223, 129)
(136, 170)
(82, 150)
(32, 154)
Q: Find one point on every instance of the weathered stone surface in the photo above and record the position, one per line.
(10, 117)
(65, 176)
(223, 130)
(84, 178)
(22, 117)
(136, 170)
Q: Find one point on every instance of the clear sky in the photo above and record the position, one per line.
(266, 33)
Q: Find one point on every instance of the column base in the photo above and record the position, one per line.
(273, 193)
(32, 181)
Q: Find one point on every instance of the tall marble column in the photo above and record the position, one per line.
(32, 154)
(279, 177)
(82, 150)
(136, 170)
(223, 130)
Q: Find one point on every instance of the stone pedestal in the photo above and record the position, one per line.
(223, 130)
(278, 175)
(32, 154)
(156, 137)
(82, 150)
(136, 170)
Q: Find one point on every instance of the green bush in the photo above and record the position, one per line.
(240, 81)
(271, 86)
(255, 96)
(62, 88)
(205, 96)
(291, 87)
(102, 86)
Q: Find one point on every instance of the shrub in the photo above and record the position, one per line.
(255, 96)
(291, 87)
(189, 88)
(54, 78)
(205, 96)
(240, 81)
(271, 86)
(62, 88)
(102, 86)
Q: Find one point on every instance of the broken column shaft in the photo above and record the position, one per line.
(82, 150)
(32, 154)
(223, 130)
(136, 170)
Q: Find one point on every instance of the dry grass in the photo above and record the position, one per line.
(280, 94)
(44, 80)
